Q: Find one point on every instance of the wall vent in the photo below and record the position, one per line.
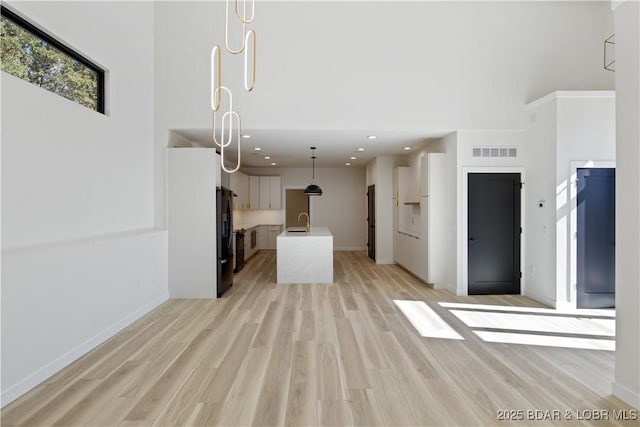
(495, 152)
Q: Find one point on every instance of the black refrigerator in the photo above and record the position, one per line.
(225, 235)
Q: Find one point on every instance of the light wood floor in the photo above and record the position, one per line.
(305, 355)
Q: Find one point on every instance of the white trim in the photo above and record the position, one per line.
(626, 394)
(573, 225)
(385, 261)
(567, 94)
(81, 240)
(37, 377)
(463, 242)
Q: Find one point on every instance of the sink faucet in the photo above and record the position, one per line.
(307, 215)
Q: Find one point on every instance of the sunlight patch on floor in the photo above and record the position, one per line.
(537, 323)
(547, 340)
(589, 329)
(608, 312)
(426, 321)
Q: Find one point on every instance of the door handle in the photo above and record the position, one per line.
(471, 239)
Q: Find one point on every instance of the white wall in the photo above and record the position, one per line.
(80, 258)
(384, 210)
(342, 206)
(458, 147)
(627, 376)
(567, 129)
(467, 140)
(430, 65)
(539, 271)
(585, 138)
(60, 300)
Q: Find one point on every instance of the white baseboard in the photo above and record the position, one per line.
(544, 300)
(385, 261)
(441, 286)
(625, 394)
(350, 248)
(16, 390)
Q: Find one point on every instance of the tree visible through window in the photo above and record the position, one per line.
(30, 54)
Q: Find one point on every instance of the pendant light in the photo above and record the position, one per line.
(228, 117)
(312, 189)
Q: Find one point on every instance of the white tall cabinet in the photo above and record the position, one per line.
(193, 175)
(419, 218)
(433, 175)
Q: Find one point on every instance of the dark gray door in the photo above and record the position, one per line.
(494, 233)
(371, 221)
(596, 238)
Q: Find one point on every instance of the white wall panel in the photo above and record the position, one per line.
(80, 257)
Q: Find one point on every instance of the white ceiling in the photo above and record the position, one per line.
(334, 148)
(331, 73)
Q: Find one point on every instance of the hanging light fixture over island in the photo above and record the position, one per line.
(313, 189)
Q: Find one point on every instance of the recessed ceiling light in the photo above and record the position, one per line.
(267, 157)
(347, 164)
(257, 149)
(406, 148)
(360, 149)
(273, 163)
(371, 137)
(352, 157)
(246, 136)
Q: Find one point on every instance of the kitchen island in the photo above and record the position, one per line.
(305, 256)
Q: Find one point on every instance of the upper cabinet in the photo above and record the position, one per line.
(256, 192)
(432, 174)
(270, 192)
(239, 183)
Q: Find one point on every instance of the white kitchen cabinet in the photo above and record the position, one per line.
(408, 202)
(270, 192)
(262, 237)
(272, 234)
(267, 235)
(265, 190)
(421, 231)
(192, 177)
(254, 192)
(409, 218)
(239, 183)
(275, 192)
(434, 180)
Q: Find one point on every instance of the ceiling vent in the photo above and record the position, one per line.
(495, 152)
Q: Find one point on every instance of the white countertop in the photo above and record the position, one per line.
(313, 232)
(248, 226)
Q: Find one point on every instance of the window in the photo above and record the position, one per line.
(32, 55)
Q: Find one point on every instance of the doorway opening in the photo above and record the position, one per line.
(296, 203)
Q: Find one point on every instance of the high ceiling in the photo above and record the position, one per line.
(291, 148)
(329, 74)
